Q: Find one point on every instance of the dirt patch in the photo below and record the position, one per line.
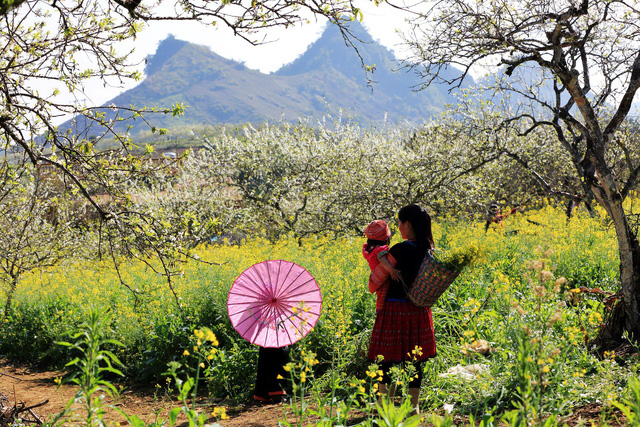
(29, 386)
(595, 413)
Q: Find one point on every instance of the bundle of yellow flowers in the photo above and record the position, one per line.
(458, 258)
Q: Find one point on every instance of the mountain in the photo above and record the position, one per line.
(334, 65)
(329, 75)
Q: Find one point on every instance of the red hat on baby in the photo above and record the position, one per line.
(377, 230)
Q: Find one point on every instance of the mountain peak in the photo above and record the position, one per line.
(331, 51)
(166, 49)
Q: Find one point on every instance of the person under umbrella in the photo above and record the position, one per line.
(273, 304)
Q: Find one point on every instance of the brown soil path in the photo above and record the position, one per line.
(22, 384)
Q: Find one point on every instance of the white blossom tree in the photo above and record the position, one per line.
(573, 67)
(39, 226)
(336, 177)
(50, 49)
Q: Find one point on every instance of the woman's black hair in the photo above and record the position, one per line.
(420, 221)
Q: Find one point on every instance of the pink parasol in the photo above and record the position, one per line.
(274, 303)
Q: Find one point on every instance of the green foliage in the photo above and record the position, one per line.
(302, 376)
(630, 406)
(231, 371)
(167, 338)
(392, 416)
(38, 328)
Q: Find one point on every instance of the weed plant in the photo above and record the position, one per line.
(89, 371)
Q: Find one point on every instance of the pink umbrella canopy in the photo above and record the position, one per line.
(274, 303)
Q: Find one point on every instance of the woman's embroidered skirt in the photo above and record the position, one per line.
(398, 329)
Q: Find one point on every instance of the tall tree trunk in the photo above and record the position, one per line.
(625, 314)
(599, 176)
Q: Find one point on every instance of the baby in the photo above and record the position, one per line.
(381, 262)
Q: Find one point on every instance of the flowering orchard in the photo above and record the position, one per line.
(523, 314)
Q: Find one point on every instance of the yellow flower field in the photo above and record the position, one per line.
(521, 309)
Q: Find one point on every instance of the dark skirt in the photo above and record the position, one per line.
(398, 329)
(271, 363)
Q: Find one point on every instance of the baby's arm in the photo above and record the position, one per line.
(386, 259)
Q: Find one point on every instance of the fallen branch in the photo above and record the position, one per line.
(11, 376)
(9, 414)
(29, 408)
